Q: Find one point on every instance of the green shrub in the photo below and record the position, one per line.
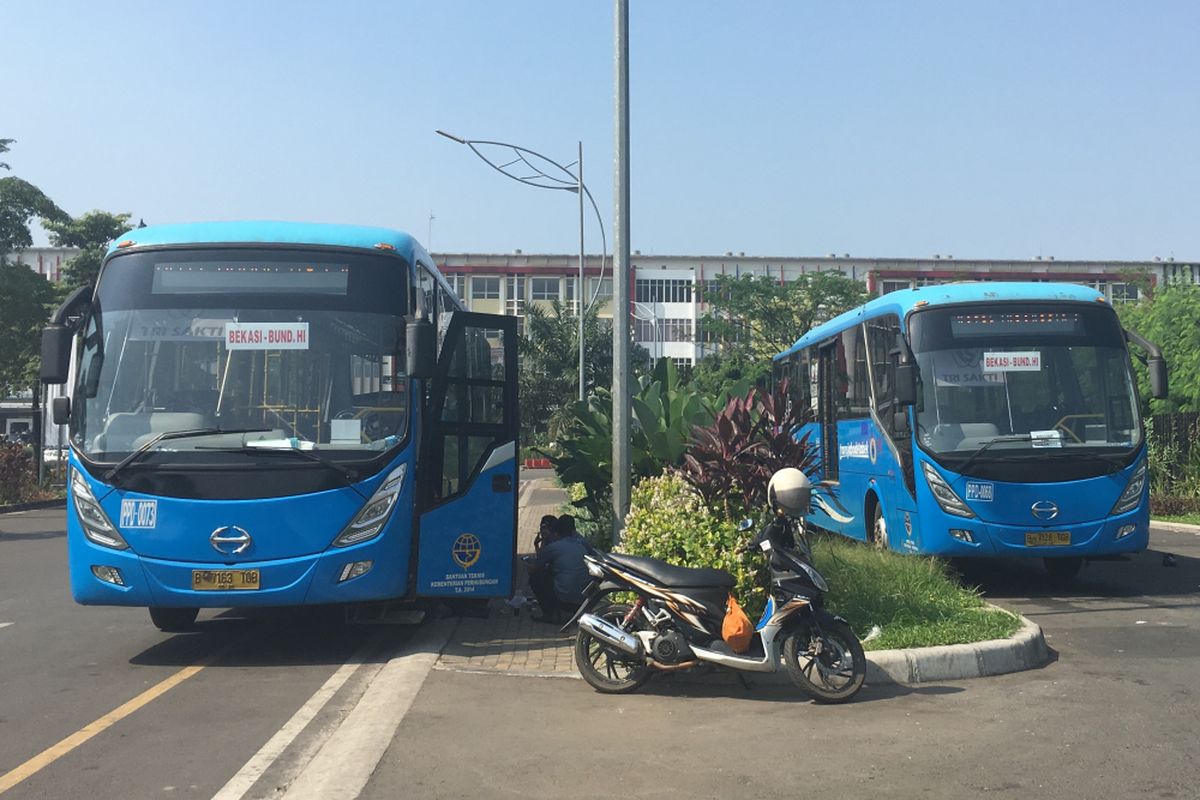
(1166, 505)
(16, 473)
(669, 520)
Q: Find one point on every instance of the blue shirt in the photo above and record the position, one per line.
(564, 557)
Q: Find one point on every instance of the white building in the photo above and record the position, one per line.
(667, 307)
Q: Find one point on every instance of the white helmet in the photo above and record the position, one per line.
(789, 492)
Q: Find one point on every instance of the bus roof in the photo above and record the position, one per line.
(271, 233)
(905, 300)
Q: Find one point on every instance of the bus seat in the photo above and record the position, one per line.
(127, 431)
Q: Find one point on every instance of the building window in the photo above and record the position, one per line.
(485, 288)
(663, 330)
(663, 290)
(1124, 292)
(544, 288)
(514, 297)
(459, 284)
(889, 286)
(570, 284)
(606, 289)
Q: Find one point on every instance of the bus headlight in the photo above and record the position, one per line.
(1133, 491)
(947, 499)
(374, 515)
(97, 527)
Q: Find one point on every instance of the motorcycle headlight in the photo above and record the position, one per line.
(1133, 491)
(374, 515)
(97, 527)
(947, 499)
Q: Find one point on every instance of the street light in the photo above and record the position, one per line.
(538, 170)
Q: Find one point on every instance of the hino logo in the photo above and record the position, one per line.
(1044, 509)
(230, 540)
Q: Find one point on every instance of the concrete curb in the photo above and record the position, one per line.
(1026, 649)
(1174, 527)
(61, 502)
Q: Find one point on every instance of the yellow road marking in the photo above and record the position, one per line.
(57, 751)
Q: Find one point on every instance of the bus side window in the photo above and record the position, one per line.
(426, 286)
(883, 337)
(851, 389)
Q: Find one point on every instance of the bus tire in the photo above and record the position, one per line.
(879, 534)
(173, 620)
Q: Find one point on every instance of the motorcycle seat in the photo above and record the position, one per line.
(675, 577)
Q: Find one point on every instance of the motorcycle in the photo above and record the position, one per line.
(675, 620)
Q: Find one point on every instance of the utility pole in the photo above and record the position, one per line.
(621, 413)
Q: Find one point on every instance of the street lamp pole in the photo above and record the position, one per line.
(532, 168)
(622, 404)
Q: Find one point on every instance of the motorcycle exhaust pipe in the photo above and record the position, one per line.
(608, 633)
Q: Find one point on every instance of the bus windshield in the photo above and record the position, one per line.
(1021, 380)
(304, 349)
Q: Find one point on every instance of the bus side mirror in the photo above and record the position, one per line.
(60, 410)
(906, 384)
(1158, 377)
(56, 353)
(419, 350)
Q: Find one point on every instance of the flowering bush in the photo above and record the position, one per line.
(668, 519)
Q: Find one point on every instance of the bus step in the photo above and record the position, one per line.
(384, 614)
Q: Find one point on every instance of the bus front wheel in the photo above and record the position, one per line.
(173, 620)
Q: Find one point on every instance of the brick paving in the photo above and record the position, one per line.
(508, 640)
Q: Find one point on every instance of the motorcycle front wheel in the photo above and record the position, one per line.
(828, 665)
(604, 667)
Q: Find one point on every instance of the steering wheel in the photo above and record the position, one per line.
(374, 426)
(1062, 426)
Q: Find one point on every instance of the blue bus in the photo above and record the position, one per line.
(979, 419)
(274, 414)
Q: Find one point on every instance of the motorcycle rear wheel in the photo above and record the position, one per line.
(604, 667)
(829, 668)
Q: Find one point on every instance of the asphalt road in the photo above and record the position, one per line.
(65, 667)
(1115, 715)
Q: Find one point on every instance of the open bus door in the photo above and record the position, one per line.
(466, 534)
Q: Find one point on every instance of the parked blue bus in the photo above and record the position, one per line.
(271, 414)
(979, 419)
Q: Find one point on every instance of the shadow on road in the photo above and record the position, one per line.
(1140, 575)
(277, 637)
(34, 536)
(726, 684)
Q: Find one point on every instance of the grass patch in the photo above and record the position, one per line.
(912, 599)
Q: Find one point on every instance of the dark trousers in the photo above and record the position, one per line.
(542, 585)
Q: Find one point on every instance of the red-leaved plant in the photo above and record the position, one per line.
(731, 461)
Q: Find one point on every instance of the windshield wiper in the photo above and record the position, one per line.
(1020, 437)
(111, 475)
(348, 475)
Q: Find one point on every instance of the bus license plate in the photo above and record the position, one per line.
(1048, 539)
(221, 580)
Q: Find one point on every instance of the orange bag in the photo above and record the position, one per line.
(736, 630)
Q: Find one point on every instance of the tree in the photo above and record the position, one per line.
(1170, 318)
(20, 203)
(91, 233)
(549, 379)
(25, 298)
(4, 143)
(751, 318)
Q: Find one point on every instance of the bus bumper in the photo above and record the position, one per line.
(312, 579)
(1128, 533)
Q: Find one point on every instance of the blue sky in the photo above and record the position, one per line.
(776, 128)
